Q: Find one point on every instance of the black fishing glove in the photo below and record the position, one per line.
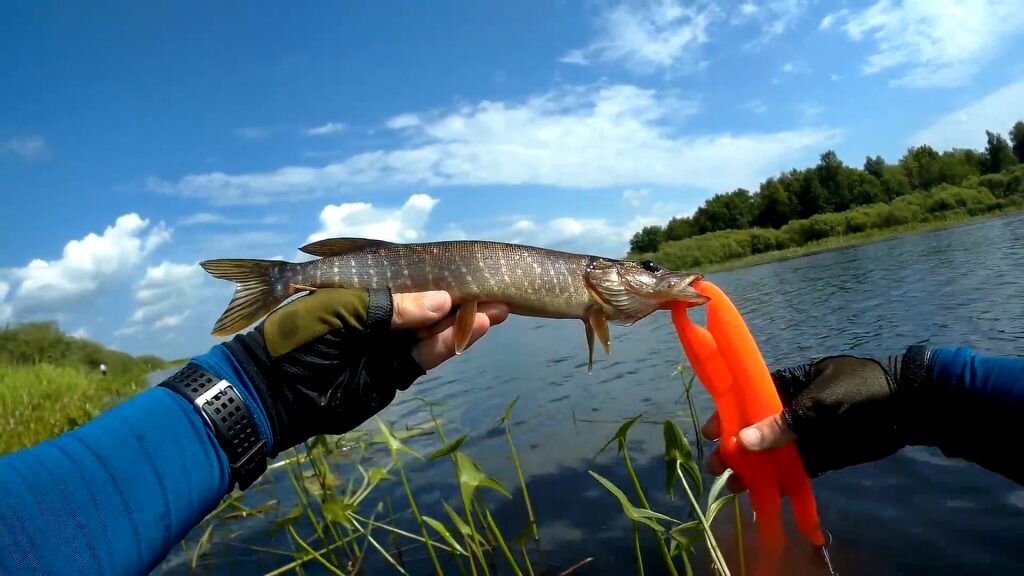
(327, 362)
(848, 410)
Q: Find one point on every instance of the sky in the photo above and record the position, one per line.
(138, 139)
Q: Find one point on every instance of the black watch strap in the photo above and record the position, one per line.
(229, 418)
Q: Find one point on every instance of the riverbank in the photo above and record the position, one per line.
(834, 243)
(51, 382)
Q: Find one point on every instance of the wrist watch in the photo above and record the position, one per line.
(228, 417)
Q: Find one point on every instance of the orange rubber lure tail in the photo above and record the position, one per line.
(727, 361)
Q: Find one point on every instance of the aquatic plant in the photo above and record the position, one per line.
(342, 522)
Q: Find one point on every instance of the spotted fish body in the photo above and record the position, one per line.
(531, 281)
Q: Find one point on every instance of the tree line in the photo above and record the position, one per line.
(832, 187)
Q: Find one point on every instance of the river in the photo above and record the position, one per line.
(913, 513)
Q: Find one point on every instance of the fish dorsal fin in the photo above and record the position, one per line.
(338, 246)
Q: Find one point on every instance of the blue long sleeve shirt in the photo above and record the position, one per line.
(116, 494)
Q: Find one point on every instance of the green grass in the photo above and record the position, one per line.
(50, 382)
(44, 400)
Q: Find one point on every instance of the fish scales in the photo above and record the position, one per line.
(530, 280)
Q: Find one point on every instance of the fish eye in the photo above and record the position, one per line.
(649, 266)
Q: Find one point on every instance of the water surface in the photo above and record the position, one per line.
(913, 513)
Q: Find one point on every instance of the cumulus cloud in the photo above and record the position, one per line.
(934, 44)
(661, 35)
(86, 268)
(965, 128)
(165, 296)
(408, 223)
(26, 148)
(602, 236)
(575, 137)
(364, 220)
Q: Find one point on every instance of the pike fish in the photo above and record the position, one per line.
(531, 281)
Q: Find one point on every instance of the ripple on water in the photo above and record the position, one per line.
(958, 286)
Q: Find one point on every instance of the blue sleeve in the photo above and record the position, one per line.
(985, 396)
(116, 494)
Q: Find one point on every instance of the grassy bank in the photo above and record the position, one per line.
(51, 382)
(939, 207)
(858, 239)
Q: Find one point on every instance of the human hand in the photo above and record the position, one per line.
(327, 362)
(840, 411)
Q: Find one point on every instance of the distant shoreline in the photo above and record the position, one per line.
(834, 243)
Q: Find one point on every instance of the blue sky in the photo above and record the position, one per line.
(137, 139)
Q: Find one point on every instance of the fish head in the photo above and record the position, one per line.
(632, 289)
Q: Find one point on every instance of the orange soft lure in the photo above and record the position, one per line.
(729, 364)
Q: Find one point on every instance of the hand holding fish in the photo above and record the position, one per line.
(327, 362)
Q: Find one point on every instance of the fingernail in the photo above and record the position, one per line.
(436, 302)
(751, 438)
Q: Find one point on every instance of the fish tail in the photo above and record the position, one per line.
(260, 286)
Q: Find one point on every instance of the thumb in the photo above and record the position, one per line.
(772, 432)
(419, 309)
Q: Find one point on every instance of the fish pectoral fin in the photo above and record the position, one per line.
(590, 346)
(464, 320)
(599, 324)
(338, 246)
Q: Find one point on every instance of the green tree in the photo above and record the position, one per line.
(648, 239)
(679, 229)
(833, 179)
(921, 166)
(998, 154)
(774, 207)
(1017, 138)
(810, 196)
(875, 166)
(732, 211)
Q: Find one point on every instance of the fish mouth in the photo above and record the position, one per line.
(679, 287)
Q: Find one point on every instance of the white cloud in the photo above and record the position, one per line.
(165, 296)
(965, 128)
(26, 147)
(326, 129)
(363, 220)
(662, 35)
(403, 121)
(201, 218)
(935, 44)
(774, 16)
(601, 236)
(86, 267)
(830, 19)
(80, 333)
(576, 137)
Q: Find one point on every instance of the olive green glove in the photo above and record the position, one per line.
(327, 362)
